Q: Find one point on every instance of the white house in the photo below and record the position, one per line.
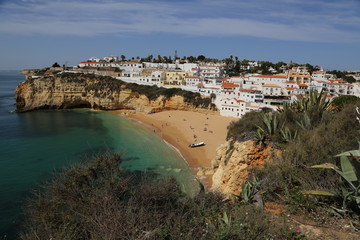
(271, 90)
(206, 90)
(129, 66)
(192, 81)
(94, 59)
(229, 89)
(249, 95)
(232, 107)
(210, 70)
(94, 64)
(152, 78)
(111, 59)
(318, 76)
(268, 79)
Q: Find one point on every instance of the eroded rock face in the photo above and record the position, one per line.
(232, 164)
(61, 92)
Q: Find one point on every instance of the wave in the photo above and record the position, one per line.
(177, 150)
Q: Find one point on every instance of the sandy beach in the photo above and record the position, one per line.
(181, 128)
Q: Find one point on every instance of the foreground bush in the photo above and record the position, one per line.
(100, 201)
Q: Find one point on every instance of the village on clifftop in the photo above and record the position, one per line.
(257, 85)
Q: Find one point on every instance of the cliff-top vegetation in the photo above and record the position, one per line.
(309, 132)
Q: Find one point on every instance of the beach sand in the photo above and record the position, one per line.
(181, 128)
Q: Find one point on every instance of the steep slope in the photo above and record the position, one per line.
(232, 164)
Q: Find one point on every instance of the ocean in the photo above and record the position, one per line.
(34, 144)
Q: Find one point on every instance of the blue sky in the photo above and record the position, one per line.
(37, 33)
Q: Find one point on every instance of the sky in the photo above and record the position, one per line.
(37, 33)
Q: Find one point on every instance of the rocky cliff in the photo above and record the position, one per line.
(233, 162)
(90, 91)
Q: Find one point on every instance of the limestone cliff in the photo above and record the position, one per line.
(90, 91)
(232, 164)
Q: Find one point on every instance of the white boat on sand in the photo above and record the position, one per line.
(199, 144)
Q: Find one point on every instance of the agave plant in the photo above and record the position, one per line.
(350, 175)
(305, 122)
(248, 191)
(313, 100)
(349, 172)
(271, 123)
(287, 135)
(260, 136)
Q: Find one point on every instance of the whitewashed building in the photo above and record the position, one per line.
(111, 59)
(318, 76)
(272, 90)
(192, 81)
(268, 79)
(233, 107)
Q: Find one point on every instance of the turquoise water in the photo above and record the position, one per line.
(34, 144)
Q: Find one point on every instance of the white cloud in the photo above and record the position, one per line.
(283, 19)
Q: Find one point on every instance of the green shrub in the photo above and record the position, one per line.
(248, 123)
(339, 102)
(98, 200)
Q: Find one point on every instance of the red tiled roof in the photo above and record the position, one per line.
(303, 85)
(328, 95)
(290, 88)
(336, 80)
(238, 100)
(332, 83)
(247, 90)
(200, 85)
(229, 85)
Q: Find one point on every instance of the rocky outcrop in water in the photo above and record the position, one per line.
(65, 91)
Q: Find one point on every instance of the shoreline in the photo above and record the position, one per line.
(181, 128)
